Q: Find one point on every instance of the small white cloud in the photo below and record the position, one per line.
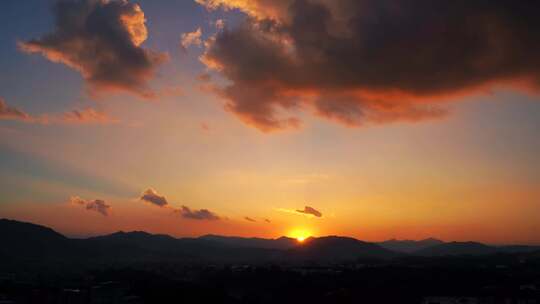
(191, 38)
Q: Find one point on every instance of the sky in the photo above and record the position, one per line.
(371, 119)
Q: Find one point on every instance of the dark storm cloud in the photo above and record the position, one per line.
(202, 214)
(102, 40)
(152, 197)
(370, 61)
(310, 211)
(94, 205)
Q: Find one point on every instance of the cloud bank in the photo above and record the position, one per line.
(102, 40)
(363, 62)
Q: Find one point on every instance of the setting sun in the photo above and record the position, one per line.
(300, 234)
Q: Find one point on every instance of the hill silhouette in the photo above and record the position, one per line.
(409, 246)
(24, 242)
(458, 248)
(338, 248)
(279, 243)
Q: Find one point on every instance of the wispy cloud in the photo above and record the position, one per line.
(306, 179)
(9, 112)
(151, 196)
(310, 211)
(201, 214)
(307, 211)
(84, 116)
(92, 205)
(205, 127)
(87, 116)
(154, 198)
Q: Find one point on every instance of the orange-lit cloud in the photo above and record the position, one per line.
(255, 8)
(102, 40)
(93, 205)
(191, 38)
(368, 62)
(247, 218)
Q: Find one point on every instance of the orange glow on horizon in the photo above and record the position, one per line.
(300, 234)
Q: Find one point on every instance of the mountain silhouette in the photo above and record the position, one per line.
(458, 248)
(473, 249)
(338, 248)
(518, 249)
(17, 231)
(29, 243)
(25, 240)
(409, 246)
(145, 246)
(279, 243)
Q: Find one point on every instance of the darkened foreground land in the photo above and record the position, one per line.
(39, 265)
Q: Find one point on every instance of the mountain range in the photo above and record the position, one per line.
(409, 246)
(27, 242)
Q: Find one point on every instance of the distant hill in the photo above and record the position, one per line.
(518, 249)
(473, 248)
(409, 246)
(338, 248)
(280, 243)
(22, 240)
(145, 246)
(16, 231)
(25, 242)
(458, 248)
(134, 246)
(137, 239)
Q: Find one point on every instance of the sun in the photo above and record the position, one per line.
(300, 234)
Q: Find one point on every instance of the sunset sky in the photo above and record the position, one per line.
(372, 119)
